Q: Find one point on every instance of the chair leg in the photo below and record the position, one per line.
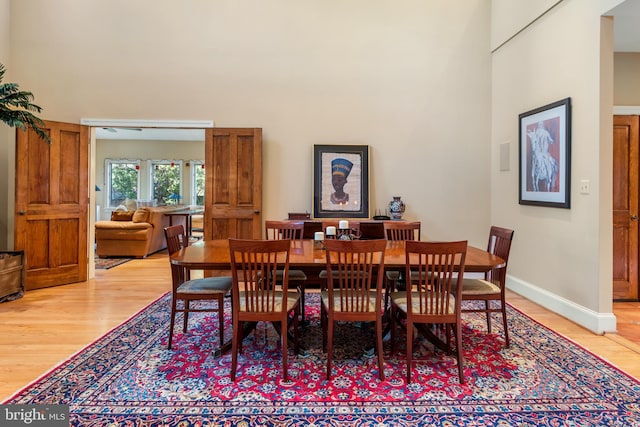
(221, 318)
(329, 347)
(409, 348)
(458, 332)
(448, 330)
(486, 307)
(285, 350)
(235, 343)
(392, 326)
(295, 330)
(172, 322)
(390, 286)
(301, 288)
(185, 316)
(379, 347)
(504, 322)
(323, 322)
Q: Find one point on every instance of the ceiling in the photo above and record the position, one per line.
(626, 31)
(151, 134)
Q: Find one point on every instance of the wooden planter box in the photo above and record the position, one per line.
(12, 275)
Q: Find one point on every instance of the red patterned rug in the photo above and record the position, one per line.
(128, 377)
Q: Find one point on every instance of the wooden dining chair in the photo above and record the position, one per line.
(255, 297)
(186, 290)
(292, 230)
(355, 269)
(492, 286)
(398, 231)
(401, 230)
(437, 297)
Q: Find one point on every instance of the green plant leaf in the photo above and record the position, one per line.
(17, 108)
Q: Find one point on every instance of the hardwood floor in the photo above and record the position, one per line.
(47, 326)
(628, 320)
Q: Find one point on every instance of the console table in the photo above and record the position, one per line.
(187, 213)
(370, 229)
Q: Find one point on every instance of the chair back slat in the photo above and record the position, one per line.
(278, 230)
(402, 230)
(254, 264)
(440, 267)
(500, 245)
(173, 235)
(355, 269)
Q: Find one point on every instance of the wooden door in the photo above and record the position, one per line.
(51, 204)
(233, 183)
(626, 153)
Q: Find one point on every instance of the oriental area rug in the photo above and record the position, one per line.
(130, 378)
(107, 263)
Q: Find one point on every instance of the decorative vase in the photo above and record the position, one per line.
(396, 208)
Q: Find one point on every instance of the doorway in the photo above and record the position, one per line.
(125, 134)
(626, 186)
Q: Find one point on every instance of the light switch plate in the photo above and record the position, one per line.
(585, 186)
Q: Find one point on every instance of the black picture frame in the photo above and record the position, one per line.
(350, 162)
(545, 155)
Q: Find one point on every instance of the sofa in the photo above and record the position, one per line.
(134, 233)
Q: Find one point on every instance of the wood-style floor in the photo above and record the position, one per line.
(47, 326)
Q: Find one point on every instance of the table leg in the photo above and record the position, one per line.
(249, 327)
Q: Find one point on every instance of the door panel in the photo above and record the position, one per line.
(233, 190)
(51, 204)
(626, 158)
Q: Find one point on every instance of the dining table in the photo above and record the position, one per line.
(310, 256)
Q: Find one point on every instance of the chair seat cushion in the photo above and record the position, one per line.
(294, 275)
(337, 305)
(400, 299)
(293, 297)
(324, 275)
(479, 287)
(206, 285)
(395, 275)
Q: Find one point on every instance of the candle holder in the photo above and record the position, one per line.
(349, 234)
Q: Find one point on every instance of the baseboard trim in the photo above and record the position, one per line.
(598, 323)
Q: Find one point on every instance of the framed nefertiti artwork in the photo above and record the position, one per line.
(341, 181)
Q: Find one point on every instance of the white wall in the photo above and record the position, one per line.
(508, 17)
(410, 79)
(627, 78)
(7, 149)
(562, 257)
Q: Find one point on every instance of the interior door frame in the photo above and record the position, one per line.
(122, 123)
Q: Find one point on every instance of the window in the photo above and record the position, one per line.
(166, 181)
(197, 182)
(122, 180)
